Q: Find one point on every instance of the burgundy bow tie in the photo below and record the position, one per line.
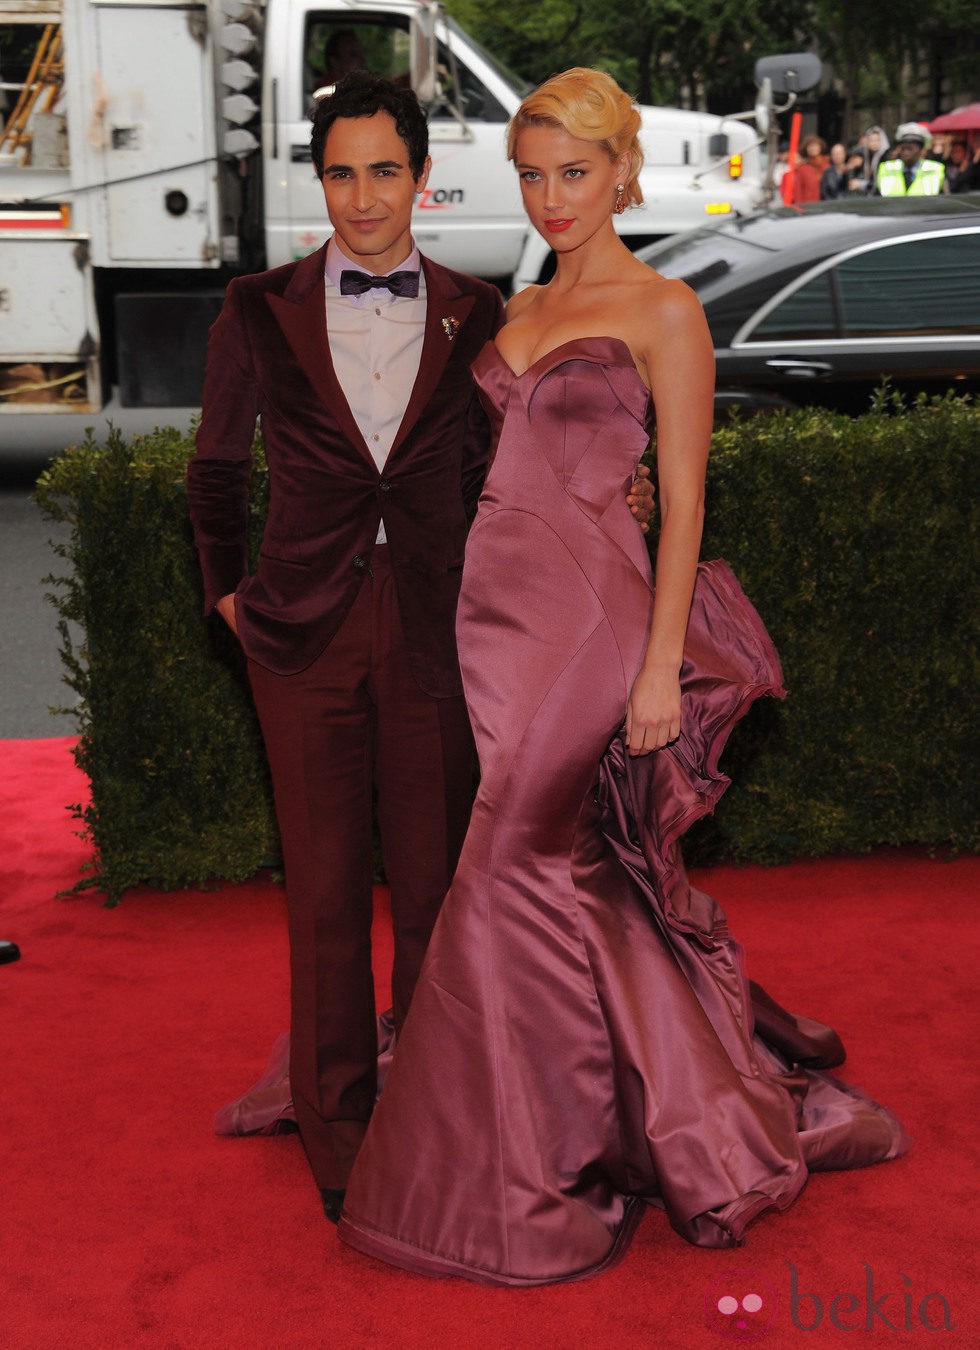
(399, 283)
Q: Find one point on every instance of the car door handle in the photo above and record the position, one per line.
(801, 369)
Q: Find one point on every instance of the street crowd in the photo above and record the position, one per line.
(916, 164)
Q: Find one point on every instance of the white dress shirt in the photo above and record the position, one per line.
(376, 348)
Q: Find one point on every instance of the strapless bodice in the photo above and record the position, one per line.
(496, 379)
(578, 419)
(570, 393)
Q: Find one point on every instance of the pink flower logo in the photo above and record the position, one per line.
(740, 1305)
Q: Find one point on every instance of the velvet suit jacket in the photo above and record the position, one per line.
(269, 356)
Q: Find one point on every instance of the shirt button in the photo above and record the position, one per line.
(384, 487)
(377, 374)
(376, 438)
(359, 563)
(377, 311)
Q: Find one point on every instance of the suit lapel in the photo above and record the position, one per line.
(301, 313)
(446, 310)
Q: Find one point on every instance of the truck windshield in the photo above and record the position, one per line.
(514, 82)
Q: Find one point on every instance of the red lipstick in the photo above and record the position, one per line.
(556, 226)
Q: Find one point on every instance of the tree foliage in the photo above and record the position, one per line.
(702, 53)
(677, 52)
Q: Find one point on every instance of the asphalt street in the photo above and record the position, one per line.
(28, 440)
(30, 663)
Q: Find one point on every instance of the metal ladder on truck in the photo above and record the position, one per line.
(40, 90)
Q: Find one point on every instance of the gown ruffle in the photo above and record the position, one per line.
(584, 1039)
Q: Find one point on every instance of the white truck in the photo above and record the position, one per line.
(151, 149)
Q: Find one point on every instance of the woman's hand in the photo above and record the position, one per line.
(653, 713)
(226, 608)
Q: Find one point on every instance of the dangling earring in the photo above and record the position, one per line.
(620, 205)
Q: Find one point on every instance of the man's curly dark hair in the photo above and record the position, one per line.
(361, 94)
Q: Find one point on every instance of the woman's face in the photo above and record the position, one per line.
(874, 141)
(568, 185)
(812, 148)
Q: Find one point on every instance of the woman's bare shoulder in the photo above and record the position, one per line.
(665, 292)
(664, 305)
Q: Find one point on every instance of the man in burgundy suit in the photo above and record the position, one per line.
(357, 359)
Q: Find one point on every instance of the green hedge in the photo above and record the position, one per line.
(168, 737)
(854, 538)
(857, 541)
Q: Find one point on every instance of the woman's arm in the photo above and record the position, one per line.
(680, 365)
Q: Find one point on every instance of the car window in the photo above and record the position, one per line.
(808, 312)
(920, 286)
(331, 49)
(477, 102)
(381, 45)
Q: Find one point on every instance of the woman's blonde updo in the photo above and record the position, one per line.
(589, 105)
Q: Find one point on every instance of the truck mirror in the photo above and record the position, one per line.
(718, 145)
(763, 106)
(792, 73)
(423, 56)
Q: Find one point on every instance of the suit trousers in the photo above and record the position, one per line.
(352, 733)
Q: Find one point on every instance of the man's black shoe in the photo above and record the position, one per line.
(333, 1203)
(9, 951)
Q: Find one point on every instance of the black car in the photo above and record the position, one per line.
(819, 304)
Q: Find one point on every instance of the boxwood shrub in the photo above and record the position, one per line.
(855, 538)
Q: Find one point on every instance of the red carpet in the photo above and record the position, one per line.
(125, 1222)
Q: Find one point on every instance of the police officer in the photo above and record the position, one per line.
(910, 174)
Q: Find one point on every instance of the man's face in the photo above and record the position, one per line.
(910, 152)
(957, 153)
(369, 190)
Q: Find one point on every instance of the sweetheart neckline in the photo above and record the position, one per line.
(572, 342)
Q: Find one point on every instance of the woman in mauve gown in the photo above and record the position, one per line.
(583, 1041)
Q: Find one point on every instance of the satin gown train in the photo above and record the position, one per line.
(582, 1039)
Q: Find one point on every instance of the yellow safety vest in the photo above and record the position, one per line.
(928, 180)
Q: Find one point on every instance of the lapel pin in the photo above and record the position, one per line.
(450, 327)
